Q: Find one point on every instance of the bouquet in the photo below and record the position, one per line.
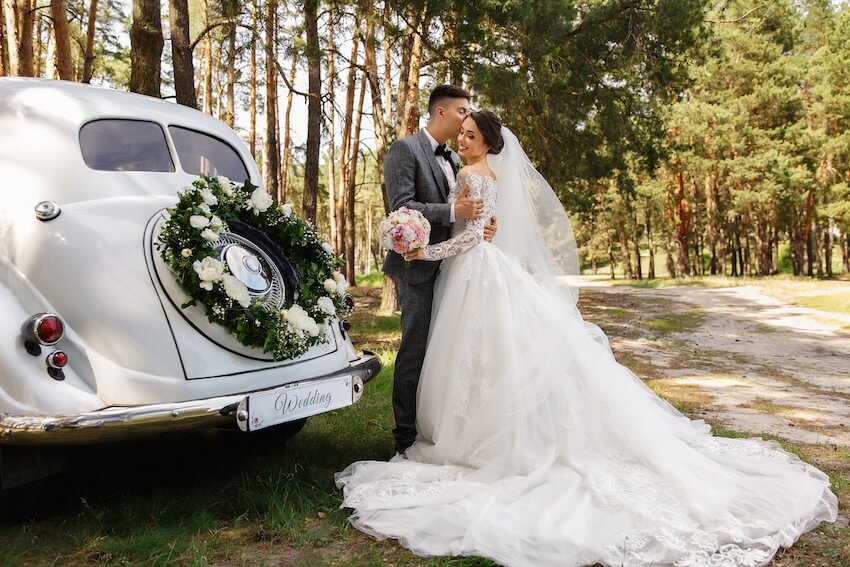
(404, 230)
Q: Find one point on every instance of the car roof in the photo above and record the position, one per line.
(72, 104)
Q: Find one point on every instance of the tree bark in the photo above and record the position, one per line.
(287, 135)
(5, 68)
(411, 102)
(25, 12)
(64, 63)
(208, 63)
(649, 241)
(10, 45)
(345, 142)
(682, 214)
(88, 62)
(252, 110)
(636, 244)
(230, 90)
(146, 43)
(38, 48)
(181, 54)
(352, 185)
(331, 169)
(314, 109)
(270, 143)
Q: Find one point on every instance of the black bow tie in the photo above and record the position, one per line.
(442, 150)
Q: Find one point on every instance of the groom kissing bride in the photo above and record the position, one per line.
(518, 435)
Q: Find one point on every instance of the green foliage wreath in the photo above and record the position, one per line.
(187, 245)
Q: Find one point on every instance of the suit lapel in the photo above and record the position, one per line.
(439, 176)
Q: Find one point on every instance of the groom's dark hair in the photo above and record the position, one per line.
(443, 92)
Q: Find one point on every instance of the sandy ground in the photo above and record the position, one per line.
(765, 366)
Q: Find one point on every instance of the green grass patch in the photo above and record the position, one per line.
(833, 302)
(372, 279)
(677, 322)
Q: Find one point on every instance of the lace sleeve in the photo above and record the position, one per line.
(474, 231)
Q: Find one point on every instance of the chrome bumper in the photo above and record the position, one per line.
(123, 422)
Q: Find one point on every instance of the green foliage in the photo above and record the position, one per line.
(186, 244)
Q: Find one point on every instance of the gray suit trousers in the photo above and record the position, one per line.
(415, 302)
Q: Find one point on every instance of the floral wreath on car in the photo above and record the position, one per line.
(187, 245)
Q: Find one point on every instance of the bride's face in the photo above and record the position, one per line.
(470, 143)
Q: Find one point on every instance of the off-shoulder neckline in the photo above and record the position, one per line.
(470, 172)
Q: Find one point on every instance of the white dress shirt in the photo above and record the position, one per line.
(447, 170)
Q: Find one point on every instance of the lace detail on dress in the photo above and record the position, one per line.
(473, 233)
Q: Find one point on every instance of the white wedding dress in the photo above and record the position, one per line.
(536, 448)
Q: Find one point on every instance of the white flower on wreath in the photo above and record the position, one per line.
(226, 185)
(208, 197)
(330, 285)
(327, 248)
(341, 283)
(186, 252)
(326, 305)
(209, 270)
(209, 235)
(299, 321)
(216, 224)
(286, 210)
(236, 290)
(199, 221)
(260, 201)
(205, 208)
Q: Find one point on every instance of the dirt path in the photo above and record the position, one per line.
(753, 363)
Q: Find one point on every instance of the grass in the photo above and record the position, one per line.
(216, 497)
(834, 302)
(677, 322)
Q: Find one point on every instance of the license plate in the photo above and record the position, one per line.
(273, 407)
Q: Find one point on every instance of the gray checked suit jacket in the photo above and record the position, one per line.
(414, 180)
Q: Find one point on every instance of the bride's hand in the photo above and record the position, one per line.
(490, 229)
(466, 208)
(418, 254)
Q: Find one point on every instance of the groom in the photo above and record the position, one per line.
(419, 172)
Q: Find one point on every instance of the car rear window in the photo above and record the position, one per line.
(125, 145)
(204, 154)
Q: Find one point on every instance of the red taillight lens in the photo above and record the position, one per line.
(57, 359)
(49, 329)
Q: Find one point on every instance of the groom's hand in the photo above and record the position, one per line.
(490, 229)
(466, 208)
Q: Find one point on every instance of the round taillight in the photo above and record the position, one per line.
(57, 359)
(346, 325)
(48, 329)
(349, 300)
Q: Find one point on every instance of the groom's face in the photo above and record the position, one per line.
(454, 113)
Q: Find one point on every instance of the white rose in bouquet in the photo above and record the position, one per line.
(260, 201)
(236, 290)
(209, 270)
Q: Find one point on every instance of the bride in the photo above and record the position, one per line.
(535, 447)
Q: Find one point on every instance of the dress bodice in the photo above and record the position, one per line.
(467, 234)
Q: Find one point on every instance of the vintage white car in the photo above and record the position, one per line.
(96, 340)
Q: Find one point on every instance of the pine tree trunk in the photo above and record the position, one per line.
(331, 168)
(636, 243)
(611, 260)
(352, 186)
(10, 46)
(252, 87)
(287, 134)
(345, 144)
(314, 109)
(650, 241)
(411, 104)
(38, 57)
(146, 43)
(181, 54)
(208, 63)
(88, 62)
(270, 144)
(230, 89)
(682, 212)
(64, 63)
(25, 12)
(845, 253)
(5, 69)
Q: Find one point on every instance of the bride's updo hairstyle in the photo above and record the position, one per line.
(490, 126)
